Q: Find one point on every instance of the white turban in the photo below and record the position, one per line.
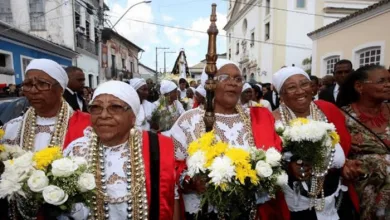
(220, 64)
(201, 90)
(53, 69)
(283, 74)
(167, 86)
(122, 91)
(137, 83)
(246, 86)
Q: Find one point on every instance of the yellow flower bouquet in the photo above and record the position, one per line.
(235, 176)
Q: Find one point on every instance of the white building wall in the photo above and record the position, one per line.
(58, 22)
(89, 65)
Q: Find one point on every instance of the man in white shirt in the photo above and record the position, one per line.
(341, 70)
(75, 87)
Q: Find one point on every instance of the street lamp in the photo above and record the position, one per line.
(143, 2)
(159, 48)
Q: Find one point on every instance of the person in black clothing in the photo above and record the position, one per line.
(273, 98)
(74, 92)
(341, 70)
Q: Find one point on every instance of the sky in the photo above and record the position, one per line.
(171, 16)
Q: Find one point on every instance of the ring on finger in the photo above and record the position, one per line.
(299, 162)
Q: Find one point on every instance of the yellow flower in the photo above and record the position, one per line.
(223, 186)
(335, 138)
(299, 121)
(45, 157)
(1, 133)
(238, 155)
(2, 148)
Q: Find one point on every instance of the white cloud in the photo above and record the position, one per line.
(173, 35)
(132, 30)
(192, 42)
(202, 24)
(167, 18)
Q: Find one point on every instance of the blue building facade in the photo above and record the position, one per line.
(20, 48)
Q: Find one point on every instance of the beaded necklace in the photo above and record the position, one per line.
(136, 197)
(318, 173)
(247, 124)
(60, 127)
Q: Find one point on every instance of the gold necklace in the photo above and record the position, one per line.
(136, 197)
(29, 127)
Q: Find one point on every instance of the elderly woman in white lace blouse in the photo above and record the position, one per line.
(233, 125)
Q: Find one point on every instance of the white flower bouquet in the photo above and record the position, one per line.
(46, 177)
(309, 140)
(234, 175)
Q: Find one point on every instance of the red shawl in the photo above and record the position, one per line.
(335, 116)
(77, 123)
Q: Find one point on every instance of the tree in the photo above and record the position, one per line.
(307, 64)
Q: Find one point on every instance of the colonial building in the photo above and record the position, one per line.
(361, 37)
(146, 72)
(265, 35)
(70, 24)
(119, 56)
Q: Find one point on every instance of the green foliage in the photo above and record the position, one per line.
(313, 153)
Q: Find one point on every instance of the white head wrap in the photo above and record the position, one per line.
(201, 90)
(283, 74)
(122, 91)
(220, 64)
(246, 86)
(52, 68)
(167, 86)
(137, 83)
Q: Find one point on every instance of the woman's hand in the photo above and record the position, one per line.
(196, 184)
(352, 169)
(299, 170)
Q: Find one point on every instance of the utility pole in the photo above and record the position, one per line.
(165, 64)
(158, 48)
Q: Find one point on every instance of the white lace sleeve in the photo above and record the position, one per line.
(179, 140)
(79, 147)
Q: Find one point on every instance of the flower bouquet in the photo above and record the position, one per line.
(162, 117)
(234, 175)
(309, 140)
(46, 177)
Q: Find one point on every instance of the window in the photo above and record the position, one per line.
(252, 38)
(330, 62)
(230, 38)
(369, 56)
(131, 67)
(3, 59)
(88, 29)
(37, 15)
(301, 3)
(77, 14)
(267, 31)
(25, 62)
(5, 11)
(90, 80)
(267, 7)
(237, 47)
(123, 64)
(230, 54)
(244, 26)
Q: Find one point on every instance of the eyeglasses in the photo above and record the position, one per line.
(39, 84)
(225, 78)
(290, 89)
(111, 109)
(381, 81)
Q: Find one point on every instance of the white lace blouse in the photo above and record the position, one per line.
(228, 128)
(115, 159)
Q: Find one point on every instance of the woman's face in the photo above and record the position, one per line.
(297, 93)
(229, 86)
(376, 86)
(190, 93)
(115, 119)
(247, 95)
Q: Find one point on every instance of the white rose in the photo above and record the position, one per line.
(282, 179)
(279, 127)
(63, 167)
(80, 161)
(86, 182)
(37, 181)
(273, 157)
(54, 195)
(263, 169)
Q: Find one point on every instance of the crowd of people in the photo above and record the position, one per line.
(139, 133)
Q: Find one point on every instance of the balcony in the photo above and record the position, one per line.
(120, 74)
(87, 44)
